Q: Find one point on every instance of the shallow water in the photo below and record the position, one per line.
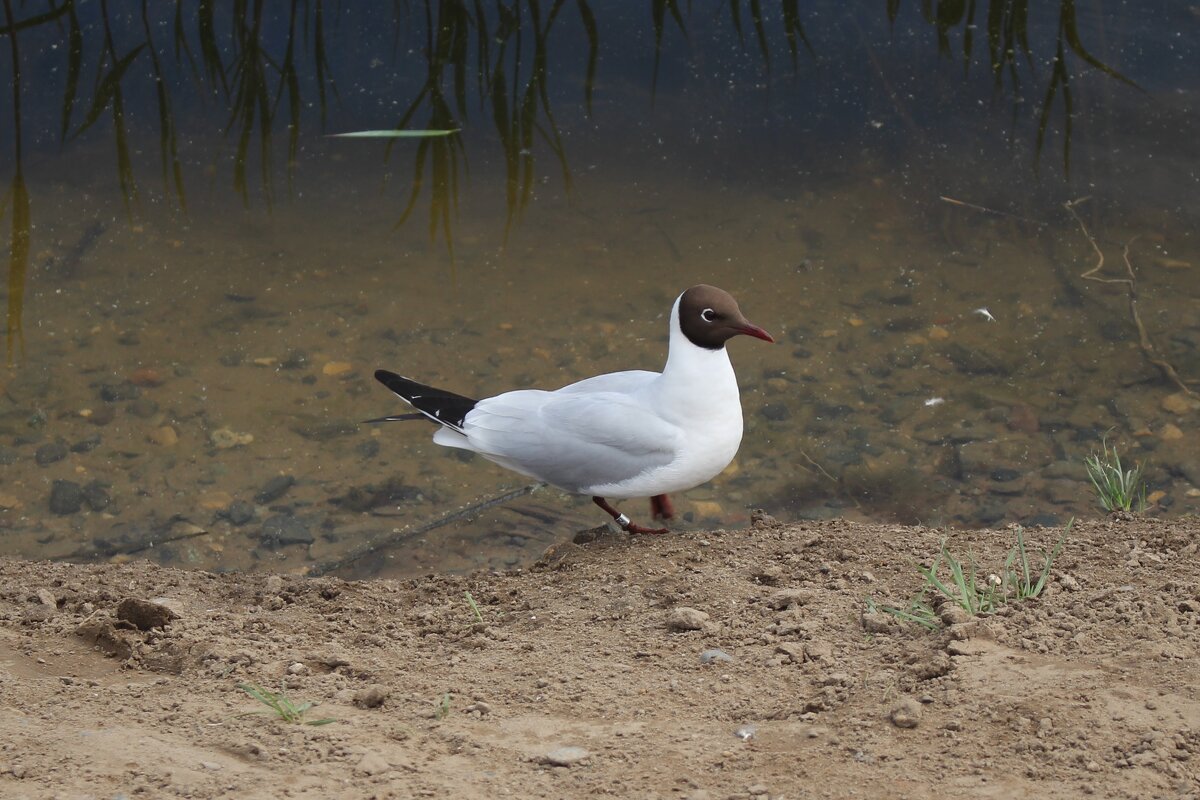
(865, 205)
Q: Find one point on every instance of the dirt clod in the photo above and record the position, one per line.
(371, 697)
(144, 614)
(906, 713)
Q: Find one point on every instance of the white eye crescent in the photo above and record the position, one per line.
(708, 315)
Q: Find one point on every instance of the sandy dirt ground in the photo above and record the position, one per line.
(586, 675)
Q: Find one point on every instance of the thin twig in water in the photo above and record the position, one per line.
(409, 533)
(987, 210)
(818, 466)
(1130, 284)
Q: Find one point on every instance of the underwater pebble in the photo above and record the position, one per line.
(297, 359)
(274, 489)
(239, 512)
(224, 438)
(66, 497)
(776, 412)
(146, 376)
(164, 436)
(707, 509)
(96, 495)
(1179, 403)
(334, 368)
(50, 453)
(142, 408)
(284, 529)
(86, 444)
(117, 392)
(1170, 433)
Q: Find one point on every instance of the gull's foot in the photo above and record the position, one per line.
(633, 527)
(661, 508)
(624, 522)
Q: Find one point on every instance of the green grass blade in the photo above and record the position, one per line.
(393, 134)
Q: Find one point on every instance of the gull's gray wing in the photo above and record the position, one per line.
(572, 440)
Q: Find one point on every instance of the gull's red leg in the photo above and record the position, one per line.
(624, 521)
(661, 508)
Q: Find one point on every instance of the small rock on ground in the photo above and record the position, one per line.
(684, 618)
(566, 756)
(714, 655)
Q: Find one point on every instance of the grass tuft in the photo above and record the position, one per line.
(1118, 489)
(960, 582)
(474, 607)
(282, 706)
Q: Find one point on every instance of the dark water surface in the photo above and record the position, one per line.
(201, 279)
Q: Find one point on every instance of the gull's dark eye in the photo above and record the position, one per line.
(708, 315)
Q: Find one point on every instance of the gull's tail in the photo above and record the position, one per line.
(436, 405)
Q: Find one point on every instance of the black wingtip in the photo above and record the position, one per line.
(438, 405)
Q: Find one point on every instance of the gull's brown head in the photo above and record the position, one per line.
(709, 317)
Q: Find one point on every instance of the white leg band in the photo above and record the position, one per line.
(622, 520)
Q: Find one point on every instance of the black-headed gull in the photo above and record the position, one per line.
(620, 435)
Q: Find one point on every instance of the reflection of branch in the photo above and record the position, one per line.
(18, 253)
(172, 169)
(407, 534)
(1130, 284)
(658, 11)
(30, 22)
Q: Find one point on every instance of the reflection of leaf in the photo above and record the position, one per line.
(210, 52)
(793, 28)
(168, 144)
(18, 263)
(760, 32)
(593, 37)
(108, 88)
(1070, 31)
(393, 134)
(74, 66)
(1058, 77)
(658, 11)
(31, 22)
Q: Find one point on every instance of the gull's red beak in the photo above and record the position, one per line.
(755, 331)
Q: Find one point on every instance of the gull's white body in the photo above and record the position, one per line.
(620, 435)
